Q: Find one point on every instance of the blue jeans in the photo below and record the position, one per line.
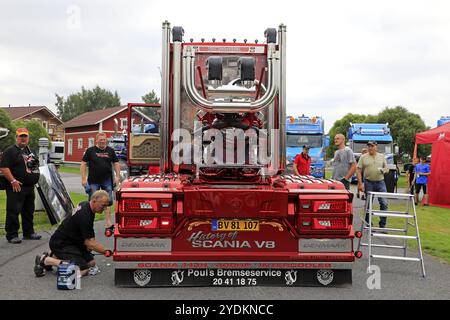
(105, 185)
(376, 186)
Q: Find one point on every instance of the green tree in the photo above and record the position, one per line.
(342, 125)
(5, 122)
(36, 131)
(404, 126)
(150, 98)
(85, 101)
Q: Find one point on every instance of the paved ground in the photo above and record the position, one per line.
(399, 280)
(72, 182)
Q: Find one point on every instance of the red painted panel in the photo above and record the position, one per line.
(108, 124)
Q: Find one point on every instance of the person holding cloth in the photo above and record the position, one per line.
(422, 170)
(302, 162)
(100, 159)
(344, 162)
(20, 167)
(75, 239)
(374, 166)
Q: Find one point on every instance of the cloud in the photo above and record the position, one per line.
(343, 56)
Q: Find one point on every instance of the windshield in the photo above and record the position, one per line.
(299, 140)
(382, 147)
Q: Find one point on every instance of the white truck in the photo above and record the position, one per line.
(56, 153)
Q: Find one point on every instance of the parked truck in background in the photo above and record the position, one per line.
(443, 120)
(56, 152)
(302, 131)
(361, 133)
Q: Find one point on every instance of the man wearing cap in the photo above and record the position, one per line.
(302, 162)
(20, 166)
(374, 166)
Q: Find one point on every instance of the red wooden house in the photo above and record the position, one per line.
(80, 132)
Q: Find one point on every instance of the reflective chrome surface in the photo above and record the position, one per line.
(53, 193)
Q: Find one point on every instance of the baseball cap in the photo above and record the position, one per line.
(22, 131)
(372, 143)
(306, 146)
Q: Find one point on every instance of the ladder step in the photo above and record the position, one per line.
(392, 195)
(393, 215)
(396, 236)
(395, 258)
(390, 211)
(385, 229)
(381, 246)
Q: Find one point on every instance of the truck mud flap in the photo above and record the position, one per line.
(233, 277)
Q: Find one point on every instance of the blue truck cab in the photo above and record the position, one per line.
(302, 131)
(443, 120)
(361, 133)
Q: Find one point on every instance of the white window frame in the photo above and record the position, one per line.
(80, 143)
(69, 147)
(91, 142)
(123, 123)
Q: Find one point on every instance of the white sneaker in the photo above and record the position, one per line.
(93, 270)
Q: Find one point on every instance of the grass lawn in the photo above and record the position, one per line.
(67, 169)
(401, 183)
(328, 173)
(434, 229)
(41, 221)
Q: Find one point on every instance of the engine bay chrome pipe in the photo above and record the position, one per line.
(224, 107)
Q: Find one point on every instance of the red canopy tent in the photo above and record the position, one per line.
(439, 182)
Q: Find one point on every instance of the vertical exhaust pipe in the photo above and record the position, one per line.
(177, 38)
(282, 95)
(165, 96)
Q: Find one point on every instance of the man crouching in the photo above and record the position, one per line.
(75, 238)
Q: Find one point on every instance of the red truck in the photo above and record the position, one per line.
(214, 208)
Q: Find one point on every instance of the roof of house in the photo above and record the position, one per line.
(17, 113)
(93, 117)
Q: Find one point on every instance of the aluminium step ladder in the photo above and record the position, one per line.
(386, 233)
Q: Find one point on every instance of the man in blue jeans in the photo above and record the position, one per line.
(100, 159)
(374, 166)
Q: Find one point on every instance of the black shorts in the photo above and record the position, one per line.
(74, 254)
(423, 186)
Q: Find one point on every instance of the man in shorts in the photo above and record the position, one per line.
(100, 159)
(75, 238)
(422, 173)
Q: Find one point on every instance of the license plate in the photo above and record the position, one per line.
(235, 225)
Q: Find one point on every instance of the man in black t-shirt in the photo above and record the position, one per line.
(20, 168)
(100, 159)
(75, 238)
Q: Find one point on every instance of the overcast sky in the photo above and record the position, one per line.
(343, 56)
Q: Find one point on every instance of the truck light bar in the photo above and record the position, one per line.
(324, 206)
(373, 132)
(138, 205)
(146, 224)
